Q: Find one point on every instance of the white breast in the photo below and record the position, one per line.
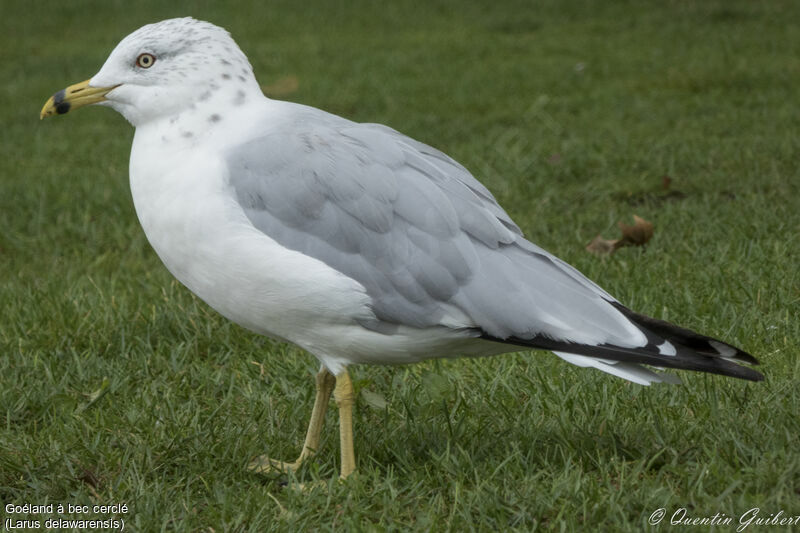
(201, 234)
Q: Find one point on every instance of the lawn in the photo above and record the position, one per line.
(118, 386)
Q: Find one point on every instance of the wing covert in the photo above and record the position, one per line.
(430, 243)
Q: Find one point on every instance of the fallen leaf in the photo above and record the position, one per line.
(282, 86)
(636, 235)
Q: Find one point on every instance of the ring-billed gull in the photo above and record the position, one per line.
(352, 241)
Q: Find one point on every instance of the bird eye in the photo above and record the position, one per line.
(145, 60)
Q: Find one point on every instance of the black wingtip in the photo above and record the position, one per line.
(745, 357)
(702, 344)
(684, 359)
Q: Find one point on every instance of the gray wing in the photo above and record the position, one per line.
(429, 242)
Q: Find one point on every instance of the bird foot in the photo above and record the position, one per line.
(324, 485)
(266, 465)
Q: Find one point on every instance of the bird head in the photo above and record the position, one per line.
(161, 70)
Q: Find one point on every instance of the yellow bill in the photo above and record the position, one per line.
(73, 97)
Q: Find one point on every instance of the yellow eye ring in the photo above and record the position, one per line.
(145, 60)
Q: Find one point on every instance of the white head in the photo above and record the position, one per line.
(163, 69)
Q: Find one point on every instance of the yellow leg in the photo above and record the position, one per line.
(343, 394)
(325, 384)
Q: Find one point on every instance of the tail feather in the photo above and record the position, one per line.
(692, 351)
(630, 371)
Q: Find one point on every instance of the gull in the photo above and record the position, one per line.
(350, 240)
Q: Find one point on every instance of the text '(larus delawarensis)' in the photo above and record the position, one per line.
(352, 241)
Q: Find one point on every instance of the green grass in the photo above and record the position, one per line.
(571, 112)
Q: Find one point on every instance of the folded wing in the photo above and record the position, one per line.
(430, 244)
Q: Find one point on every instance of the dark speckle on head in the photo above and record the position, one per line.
(187, 134)
(214, 118)
(226, 76)
(224, 61)
(239, 100)
(241, 78)
(204, 96)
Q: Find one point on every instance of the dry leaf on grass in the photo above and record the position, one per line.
(637, 235)
(281, 87)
